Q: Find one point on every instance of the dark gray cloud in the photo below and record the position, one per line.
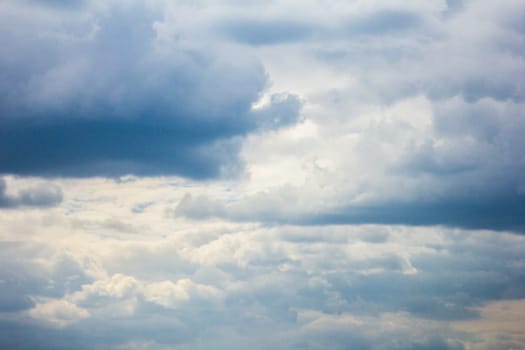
(38, 196)
(111, 104)
(497, 211)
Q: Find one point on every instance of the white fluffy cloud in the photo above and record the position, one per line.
(237, 285)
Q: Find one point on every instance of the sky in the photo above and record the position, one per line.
(240, 174)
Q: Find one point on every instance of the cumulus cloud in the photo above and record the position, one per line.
(422, 130)
(112, 95)
(43, 195)
(291, 287)
(410, 115)
(58, 313)
(185, 283)
(363, 164)
(400, 119)
(23, 277)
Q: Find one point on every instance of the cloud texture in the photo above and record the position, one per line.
(375, 112)
(103, 91)
(237, 286)
(41, 195)
(252, 175)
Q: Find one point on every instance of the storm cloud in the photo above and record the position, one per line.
(103, 94)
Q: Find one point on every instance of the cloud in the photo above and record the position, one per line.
(506, 315)
(271, 28)
(114, 98)
(23, 277)
(411, 119)
(37, 196)
(427, 123)
(493, 212)
(420, 288)
(363, 165)
(454, 5)
(64, 4)
(58, 313)
(266, 32)
(383, 22)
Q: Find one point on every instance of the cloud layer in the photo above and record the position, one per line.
(41, 195)
(362, 112)
(94, 91)
(412, 115)
(252, 175)
(238, 286)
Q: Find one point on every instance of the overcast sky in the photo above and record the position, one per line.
(241, 174)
